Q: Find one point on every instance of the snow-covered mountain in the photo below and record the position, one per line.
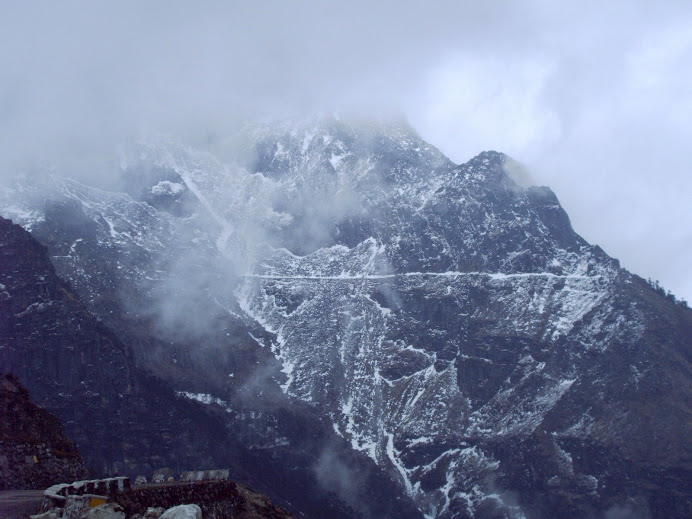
(443, 320)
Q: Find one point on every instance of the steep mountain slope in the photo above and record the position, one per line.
(444, 320)
(126, 421)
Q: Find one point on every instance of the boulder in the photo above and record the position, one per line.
(105, 511)
(50, 514)
(183, 512)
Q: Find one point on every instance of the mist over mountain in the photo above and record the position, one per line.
(593, 98)
(399, 335)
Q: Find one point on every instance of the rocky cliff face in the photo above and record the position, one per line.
(125, 421)
(444, 321)
(34, 452)
(72, 364)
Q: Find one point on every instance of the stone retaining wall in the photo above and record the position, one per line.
(34, 451)
(218, 499)
(26, 465)
(204, 475)
(215, 498)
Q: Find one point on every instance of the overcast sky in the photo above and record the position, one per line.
(594, 97)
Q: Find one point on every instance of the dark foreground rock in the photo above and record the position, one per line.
(34, 451)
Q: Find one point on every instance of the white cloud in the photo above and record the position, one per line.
(594, 97)
(478, 103)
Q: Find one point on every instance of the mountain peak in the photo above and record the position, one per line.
(444, 323)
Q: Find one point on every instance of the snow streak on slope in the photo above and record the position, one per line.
(352, 345)
(423, 308)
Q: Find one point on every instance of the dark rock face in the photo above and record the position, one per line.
(126, 421)
(74, 366)
(351, 285)
(34, 452)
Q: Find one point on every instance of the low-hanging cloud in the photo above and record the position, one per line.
(336, 475)
(631, 508)
(592, 98)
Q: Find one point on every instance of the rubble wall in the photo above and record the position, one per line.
(35, 465)
(215, 498)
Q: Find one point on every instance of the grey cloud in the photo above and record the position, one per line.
(336, 475)
(592, 97)
(631, 508)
